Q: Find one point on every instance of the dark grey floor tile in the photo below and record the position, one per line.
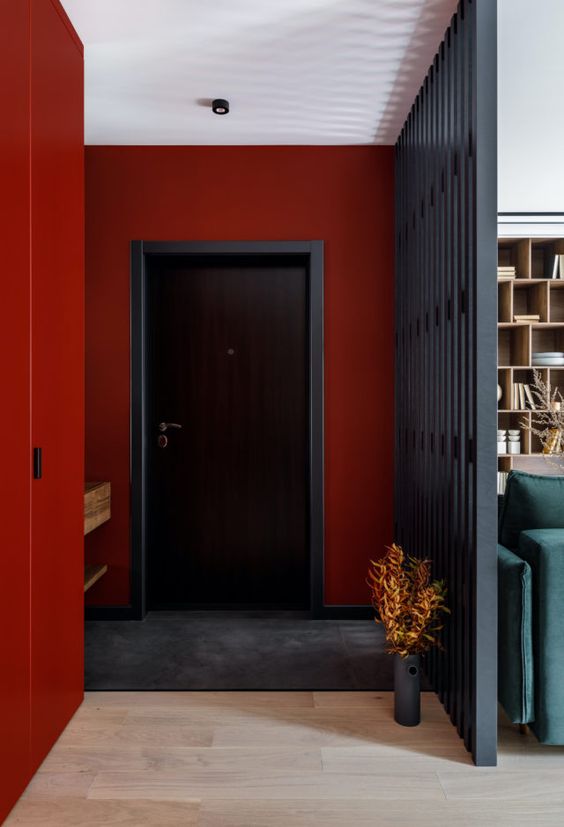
(235, 650)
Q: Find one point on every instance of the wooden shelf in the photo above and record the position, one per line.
(531, 292)
(534, 325)
(512, 456)
(528, 410)
(525, 281)
(97, 504)
(532, 463)
(532, 258)
(97, 511)
(93, 573)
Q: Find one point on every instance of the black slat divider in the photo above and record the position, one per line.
(446, 297)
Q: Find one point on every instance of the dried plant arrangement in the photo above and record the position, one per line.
(407, 602)
(547, 419)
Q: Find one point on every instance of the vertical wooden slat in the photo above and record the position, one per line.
(453, 627)
(435, 372)
(445, 358)
(459, 368)
(445, 373)
(484, 214)
(469, 346)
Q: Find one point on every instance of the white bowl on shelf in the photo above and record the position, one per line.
(548, 353)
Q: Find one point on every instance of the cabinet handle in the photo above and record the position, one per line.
(37, 463)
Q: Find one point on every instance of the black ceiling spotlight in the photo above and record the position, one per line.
(220, 106)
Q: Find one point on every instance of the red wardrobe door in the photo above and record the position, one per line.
(57, 245)
(15, 476)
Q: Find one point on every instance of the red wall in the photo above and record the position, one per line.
(343, 195)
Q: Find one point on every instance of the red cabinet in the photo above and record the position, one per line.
(15, 463)
(41, 359)
(57, 371)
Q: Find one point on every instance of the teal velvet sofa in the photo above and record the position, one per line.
(531, 604)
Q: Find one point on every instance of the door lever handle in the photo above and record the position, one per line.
(164, 426)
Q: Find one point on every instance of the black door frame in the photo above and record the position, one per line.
(312, 253)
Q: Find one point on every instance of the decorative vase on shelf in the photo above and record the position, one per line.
(407, 690)
(499, 393)
(553, 443)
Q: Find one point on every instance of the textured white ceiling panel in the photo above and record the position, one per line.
(294, 71)
(530, 111)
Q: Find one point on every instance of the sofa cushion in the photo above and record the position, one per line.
(543, 550)
(515, 650)
(531, 501)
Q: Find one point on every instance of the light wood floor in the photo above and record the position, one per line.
(295, 759)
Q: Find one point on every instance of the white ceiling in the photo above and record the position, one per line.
(295, 71)
(530, 111)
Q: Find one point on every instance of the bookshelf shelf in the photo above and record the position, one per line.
(526, 288)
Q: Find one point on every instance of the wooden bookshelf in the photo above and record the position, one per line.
(93, 573)
(531, 291)
(97, 504)
(97, 510)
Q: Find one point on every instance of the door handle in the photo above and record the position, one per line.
(164, 426)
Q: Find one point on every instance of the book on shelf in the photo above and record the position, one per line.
(530, 399)
(526, 317)
(523, 399)
(558, 266)
(501, 481)
(516, 401)
(506, 272)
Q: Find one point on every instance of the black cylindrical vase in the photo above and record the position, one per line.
(407, 690)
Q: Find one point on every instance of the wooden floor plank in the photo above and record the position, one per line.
(131, 700)
(495, 785)
(518, 813)
(261, 783)
(74, 813)
(346, 733)
(98, 759)
(384, 760)
(116, 737)
(333, 719)
(59, 785)
(323, 813)
(373, 700)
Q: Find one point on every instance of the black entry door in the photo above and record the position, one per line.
(227, 514)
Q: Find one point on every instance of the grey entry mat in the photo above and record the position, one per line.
(236, 651)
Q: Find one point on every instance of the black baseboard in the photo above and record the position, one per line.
(228, 607)
(111, 613)
(344, 613)
(341, 612)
